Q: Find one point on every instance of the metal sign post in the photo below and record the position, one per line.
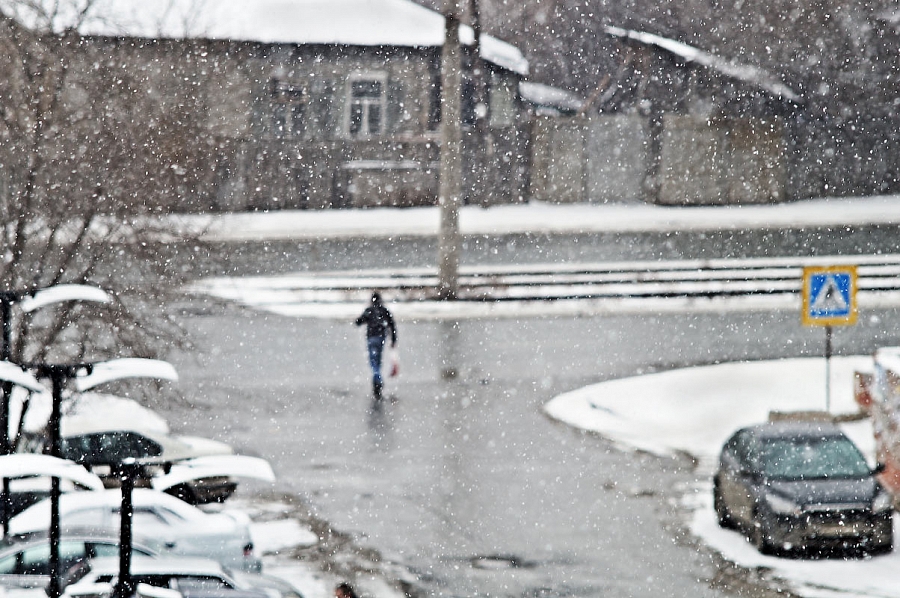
(829, 299)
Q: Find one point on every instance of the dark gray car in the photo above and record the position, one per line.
(797, 486)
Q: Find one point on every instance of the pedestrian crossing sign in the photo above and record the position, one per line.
(829, 296)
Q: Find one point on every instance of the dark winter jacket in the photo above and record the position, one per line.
(378, 321)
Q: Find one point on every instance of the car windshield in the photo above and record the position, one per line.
(811, 458)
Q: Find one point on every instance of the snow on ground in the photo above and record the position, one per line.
(276, 534)
(538, 218)
(272, 537)
(695, 410)
(267, 293)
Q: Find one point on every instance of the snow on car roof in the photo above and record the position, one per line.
(215, 466)
(128, 367)
(344, 22)
(35, 516)
(14, 373)
(161, 565)
(94, 412)
(22, 465)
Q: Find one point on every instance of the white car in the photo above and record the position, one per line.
(182, 529)
(191, 577)
(98, 446)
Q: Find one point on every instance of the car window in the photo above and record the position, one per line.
(143, 516)
(745, 451)
(112, 447)
(155, 515)
(147, 517)
(87, 517)
(36, 559)
(101, 549)
(169, 515)
(109, 447)
(199, 583)
(8, 564)
(731, 446)
(811, 458)
(96, 549)
(77, 448)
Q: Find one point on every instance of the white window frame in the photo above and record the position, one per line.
(366, 104)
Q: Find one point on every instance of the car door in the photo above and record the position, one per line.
(735, 476)
(746, 477)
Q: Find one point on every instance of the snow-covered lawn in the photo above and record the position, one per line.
(538, 217)
(694, 410)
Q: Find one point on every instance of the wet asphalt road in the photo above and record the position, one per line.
(462, 480)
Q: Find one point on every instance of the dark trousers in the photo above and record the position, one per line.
(375, 345)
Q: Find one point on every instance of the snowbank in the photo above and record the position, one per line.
(695, 410)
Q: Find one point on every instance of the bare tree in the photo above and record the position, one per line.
(85, 156)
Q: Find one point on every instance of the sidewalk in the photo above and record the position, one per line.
(545, 218)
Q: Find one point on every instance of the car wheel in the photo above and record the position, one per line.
(758, 537)
(725, 519)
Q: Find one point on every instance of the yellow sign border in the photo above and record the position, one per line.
(847, 320)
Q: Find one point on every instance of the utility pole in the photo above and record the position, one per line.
(450, 192)
(481, 139)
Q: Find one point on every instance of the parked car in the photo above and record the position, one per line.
(29, 478)
(98, 447)
(182, 529)
(25, 559)
(795, 486)
(191, 577)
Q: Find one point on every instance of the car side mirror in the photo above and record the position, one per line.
(879, 468)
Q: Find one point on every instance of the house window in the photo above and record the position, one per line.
(288, 109)
(503, 101)
(366, 106)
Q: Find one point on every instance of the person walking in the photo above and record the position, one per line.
(379, 322)
(344, 590)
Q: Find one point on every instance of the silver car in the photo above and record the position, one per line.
(182, 529)
(191, 577)
(25, 559)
